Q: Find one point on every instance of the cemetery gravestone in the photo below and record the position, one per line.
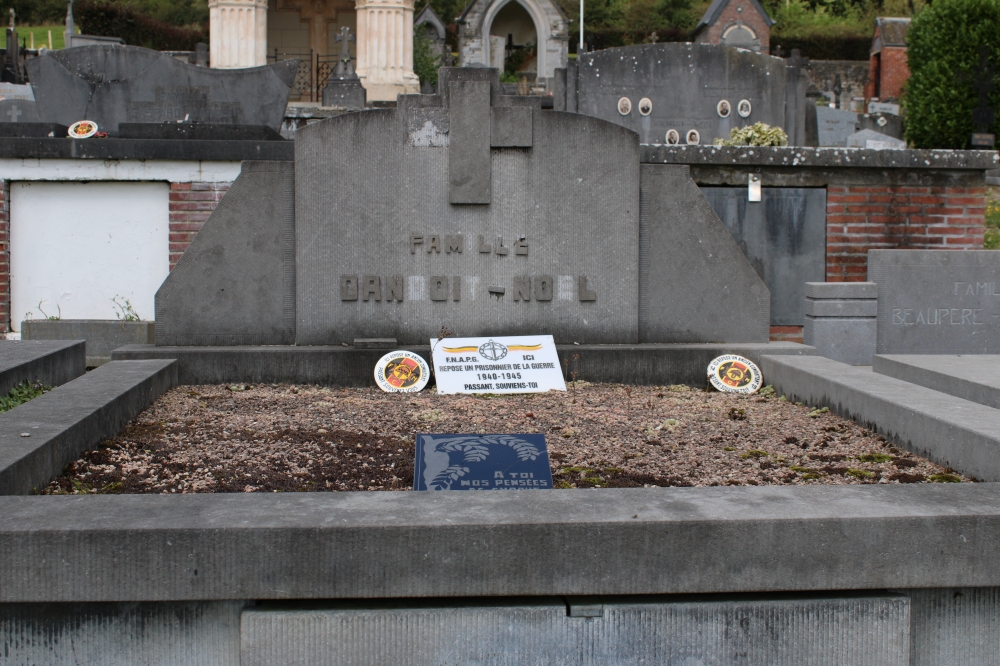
(686, 85)
(469, 210)
(835, 125)
(113, 84)
(937, 301)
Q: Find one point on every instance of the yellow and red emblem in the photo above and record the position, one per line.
(401, 371)
(734, 374)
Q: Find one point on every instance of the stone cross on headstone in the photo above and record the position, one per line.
(479, 123)
(345, 68)
(14, 112)
(984, 115)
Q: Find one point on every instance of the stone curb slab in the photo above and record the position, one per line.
(840, 290)
(74, 417)
(951, 431)
(841, 308)
(644, 364)
(974, 377)
(439, 544)
(52, 363)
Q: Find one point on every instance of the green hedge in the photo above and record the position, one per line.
(944, 42)
(818, 47)
(110, 19)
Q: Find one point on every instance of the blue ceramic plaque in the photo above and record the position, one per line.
(481, 462)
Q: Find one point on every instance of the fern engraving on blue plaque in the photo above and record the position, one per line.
(481, 462)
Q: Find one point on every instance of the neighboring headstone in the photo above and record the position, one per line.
(481, 462)
(115, 84)
(884, 123)
(468, 210)
(835, 125)
(685, 84)
(840, 320)
(21, 112)
(874, 141)
(343, 88)
(937, 301)
(16, 91)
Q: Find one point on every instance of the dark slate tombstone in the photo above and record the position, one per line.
(937, 301)
(481, 462)
(113, 84)
(783, 236)
(469, 210)
(684, 83)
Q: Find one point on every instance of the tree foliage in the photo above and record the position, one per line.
(114, 19)
(425, 63)
(944, 42)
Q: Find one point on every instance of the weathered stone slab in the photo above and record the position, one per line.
(937, 301)
(385, 545)
(112, 84)
(49, 362)
(685, 83)
(687, 260)
(841, 308)
(386, 254)
(841, 290)
(102, 337)
(352, 366)
(783, 236)
(867, 630)
(235, 284)
(975, 378)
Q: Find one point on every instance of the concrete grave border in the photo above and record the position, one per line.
(951, 431)
(51, 362)
(39, 438)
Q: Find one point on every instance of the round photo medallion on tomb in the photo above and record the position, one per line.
(82, 129)
(624, 106)
(734, 374)
(402, 372)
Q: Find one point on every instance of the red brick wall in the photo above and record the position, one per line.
(889, 72)
(730, 15)
(190, 206)
(4, 256)
(859, 219)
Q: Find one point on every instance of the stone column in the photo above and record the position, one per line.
(238, 33)
(385, 49)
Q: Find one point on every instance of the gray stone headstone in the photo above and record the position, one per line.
(937, 301)
(113, 84)
(235, 284)
(783, 236)
(428, 218)
(685, 83)
(695, 285)
(472, 211)
(835, 125)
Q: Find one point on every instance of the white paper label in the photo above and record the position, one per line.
(753, 193)
(513, 364)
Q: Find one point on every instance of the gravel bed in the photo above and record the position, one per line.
(239, 438)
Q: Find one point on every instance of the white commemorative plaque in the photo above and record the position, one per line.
(513, 364)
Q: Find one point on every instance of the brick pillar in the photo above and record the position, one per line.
(190, 206)
(859, 219)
